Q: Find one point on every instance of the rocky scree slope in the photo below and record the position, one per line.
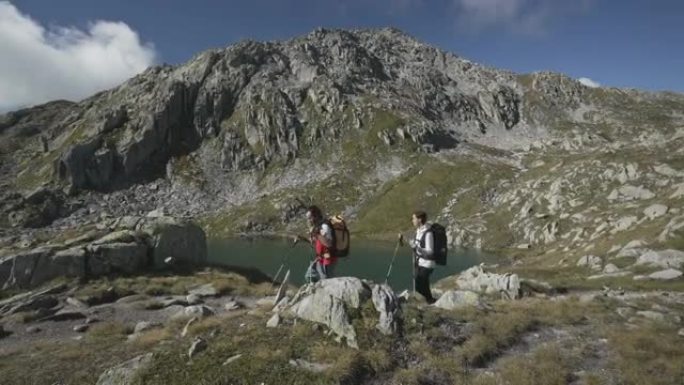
(246, 136)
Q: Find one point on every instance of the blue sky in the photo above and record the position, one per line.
(625, 43)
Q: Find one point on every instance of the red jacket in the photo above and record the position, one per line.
(321, 249)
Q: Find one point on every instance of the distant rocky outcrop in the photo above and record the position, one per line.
(120, 250)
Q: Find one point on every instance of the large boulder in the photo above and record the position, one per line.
(16, 271)
(322, 307)
(477, 280)
(185, 242)
(124, 373)
(114, 258)
(64, 263)
(326, 302)
(663, 258)
(387, 304)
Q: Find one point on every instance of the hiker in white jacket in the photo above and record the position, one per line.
(423, 251)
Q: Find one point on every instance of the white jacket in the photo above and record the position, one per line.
(423, 253)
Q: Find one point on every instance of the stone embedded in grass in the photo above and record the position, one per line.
(666, 275)
(232, 305)
(125, 372)
(274, 321)
(193, 299)
(81, 328)
(198, 345)
(623, 224)
(628, 192)
(194, 311)
(652, 315)
(231, 359)
(77, 303)
(387, 304)
(664, 258)
(457, 299)
(175, 301)
(477, 280)
(144, 326)
(655, 210)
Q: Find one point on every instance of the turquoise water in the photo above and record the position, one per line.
(368, 259)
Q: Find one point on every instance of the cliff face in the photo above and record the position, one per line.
(354, 120)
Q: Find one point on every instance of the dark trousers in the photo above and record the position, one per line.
(423, 283)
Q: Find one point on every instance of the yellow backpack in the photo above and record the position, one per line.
(340, 235)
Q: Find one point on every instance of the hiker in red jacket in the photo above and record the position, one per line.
(322, 238)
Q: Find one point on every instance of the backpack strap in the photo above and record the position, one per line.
(334, 236)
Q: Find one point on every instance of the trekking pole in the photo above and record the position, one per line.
(414, 262)
(394, 256)
(284, 262)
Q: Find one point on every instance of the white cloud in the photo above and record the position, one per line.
(589, 83)
(531, 17)
(39, 64)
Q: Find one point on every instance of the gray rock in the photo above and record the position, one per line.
(231, 359)
(144, 326)
(198, 345)
(16, 271)
(133, 298)
(457, 299)
(387, 304)
(652, 315)
(34, 303)
(625, 312)
(232, 305)
(314, 304)
(591, 261)
(111, 258)
(125, 373)
(81, 328)
(681, 332)
(200, 311)
(64, 263)
(610, 275)
(610, 268)
(185, 242)
(655, 210)
(193, 299)
(624, 223)
(121, 236)
(666, 275)
(628, 192)
(663, 258)
(176, 300)
(33, 330)
(274, 321)
(477, 280)
(76, 303)
(65, 314)
(350, 290)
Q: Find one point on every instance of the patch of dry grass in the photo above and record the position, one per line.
(652, 354)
